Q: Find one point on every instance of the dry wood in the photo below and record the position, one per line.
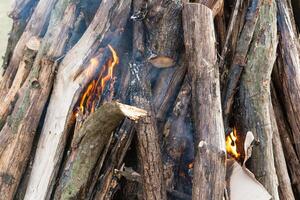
(35, 28)
(71, 80)
(284, 129)
(285, 187)
(289, 73)
(254, 94)
(239, 60)
(209, 168)
(21, 12)
(31, 96)
(94, 135)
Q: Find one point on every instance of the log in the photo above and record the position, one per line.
(254, 94)
(209, 168)
(163, 25)
(95, 133)
(289, 73)
(106, 27)
(35, 27)
(31, 94)
(285, 187)
(21, 13)
(149, 149)
(239, 60)
(284, 129)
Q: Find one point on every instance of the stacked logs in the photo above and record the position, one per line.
(186, 73)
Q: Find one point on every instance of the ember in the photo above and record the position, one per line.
(96, 87)
(231, 146)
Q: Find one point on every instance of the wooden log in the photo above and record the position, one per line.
(148, 139)
(209, 168)
(71, 80)
(254, 94)
(31, 95)
(239, 60)
(163, 22)
(285, 187)
(35, 27)
(21, 12)
(292, 160)
(95, 133)
(289, 73)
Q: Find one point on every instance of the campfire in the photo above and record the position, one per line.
(140, 99)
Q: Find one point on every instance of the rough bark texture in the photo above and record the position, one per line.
(209, 169)
(289, 73)
(285, 187)
(94, 135)
(254, 95)
(107, 27)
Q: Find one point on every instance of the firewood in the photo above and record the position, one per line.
(284, 182)
(70, 81)
(95, 132)
(289, 73)
(31, 95)
(21, 12)
(209, 168)
(290, 154)
(254, 93)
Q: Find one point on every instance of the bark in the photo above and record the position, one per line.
(20, 14)
(239, 60)
(254, 94)
(284, 129)
(107, 27)
(289, 73)
(285, 187)
(209, 168)
(163, 25)
(31, 95)
(35, 27)
(94, 135)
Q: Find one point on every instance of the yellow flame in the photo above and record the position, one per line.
(231, 146)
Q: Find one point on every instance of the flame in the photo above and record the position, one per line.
(231, 146)
(96, 87)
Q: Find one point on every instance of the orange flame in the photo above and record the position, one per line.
(95, 88)
(231, 146)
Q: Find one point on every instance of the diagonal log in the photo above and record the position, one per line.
(107, 27)
(97, 130)
(209, 167)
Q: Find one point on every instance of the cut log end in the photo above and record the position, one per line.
(162, 61)
(33, 43)
(132, 112)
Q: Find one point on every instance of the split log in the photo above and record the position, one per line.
(209, 168)
(285, 187)
(35, 27)
(239, 60)
(289, 73)
(95, 133)
(21, 13)
(149, 149)
(106, 27)
(31, 94)
(254, 95)
(163, 25)
(292, 160)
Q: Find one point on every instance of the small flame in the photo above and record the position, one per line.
(231, 146)
(96, 87)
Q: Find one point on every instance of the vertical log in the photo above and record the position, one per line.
(209, 168)
(289, 73)
(254, 94)
(285, 187)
